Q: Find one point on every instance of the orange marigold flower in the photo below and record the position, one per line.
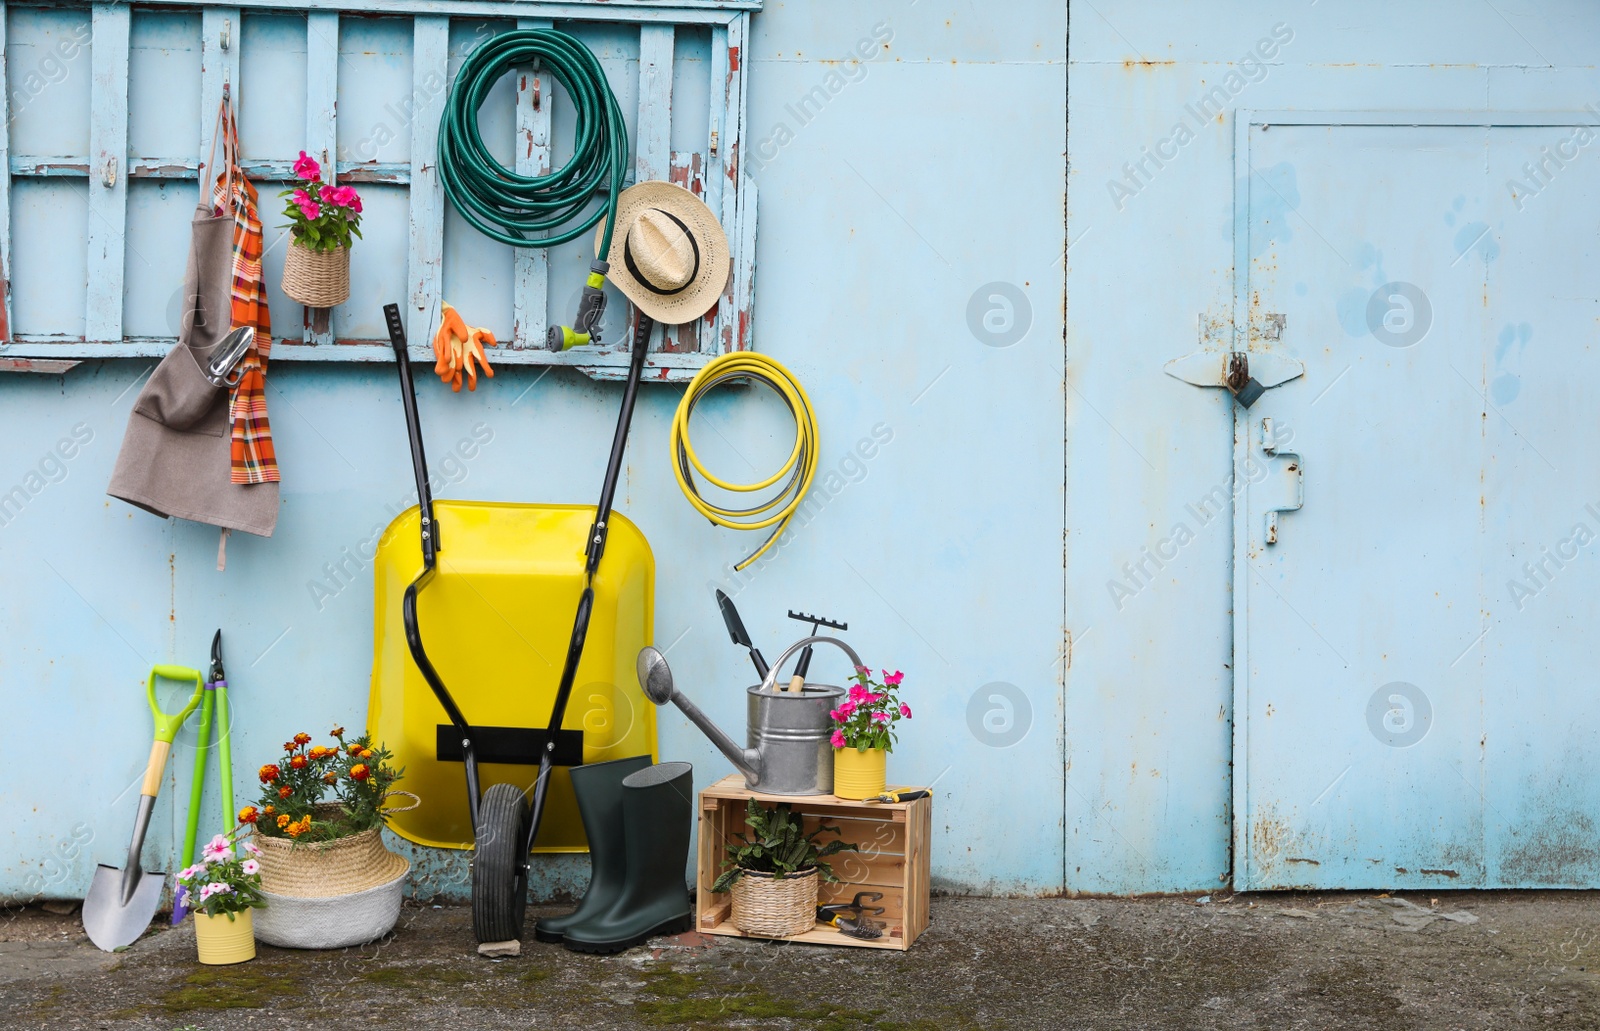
(268, 774)
(302, 739)
(360, 772)
(285, 791)
(248, 814)
(336, 732)
(268, 810)
(330, 777)
(298, 762)
(288, 746)
(283, 820)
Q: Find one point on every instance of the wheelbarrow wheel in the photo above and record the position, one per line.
(499, 874)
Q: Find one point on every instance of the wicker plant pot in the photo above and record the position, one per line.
(332, 923)
(317, 279)
(323, 869)
(773, 906)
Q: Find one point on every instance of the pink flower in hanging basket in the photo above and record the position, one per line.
(306, 167)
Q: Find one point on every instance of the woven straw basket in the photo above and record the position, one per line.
(332, 923)
(317, 279)
(773, 906)
(323, 869)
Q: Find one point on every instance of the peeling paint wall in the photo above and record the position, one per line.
(909, 273)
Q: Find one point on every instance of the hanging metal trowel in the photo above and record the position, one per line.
(121, 903)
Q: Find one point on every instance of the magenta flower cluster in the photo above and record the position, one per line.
(867, 718)
(321, 216)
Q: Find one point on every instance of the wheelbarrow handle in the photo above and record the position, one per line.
(167, 724)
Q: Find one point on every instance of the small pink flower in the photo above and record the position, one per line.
(310, 210)
(864, 671)
(346, 197)
(189, 871)
(847, 709)
(880, 717)
(250, 866)
(306, 167)
(893, 679)
(217, 850)
(874, 699)
(837, 715)
(255, 850)
(905, 710)
(329, 194)
(858, 694)
(838, 739)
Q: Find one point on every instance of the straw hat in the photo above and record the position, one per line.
(669, 255)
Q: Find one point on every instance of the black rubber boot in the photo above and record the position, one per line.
(598, 787)
(657, 807)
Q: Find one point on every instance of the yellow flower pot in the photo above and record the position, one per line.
(222, 941)
(858, 775)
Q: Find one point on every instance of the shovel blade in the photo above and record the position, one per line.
(112, 925)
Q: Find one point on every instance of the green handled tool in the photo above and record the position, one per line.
(217, 689)
(121, 903)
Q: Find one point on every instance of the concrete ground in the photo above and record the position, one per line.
(1465, 960)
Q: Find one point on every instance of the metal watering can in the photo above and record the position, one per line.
(788, 749)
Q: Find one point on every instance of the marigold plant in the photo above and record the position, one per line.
(297, 790)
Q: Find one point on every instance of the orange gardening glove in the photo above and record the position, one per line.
(445, 347)
(458, 349)
(474, 350)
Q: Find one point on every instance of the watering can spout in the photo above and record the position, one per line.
(656, 679)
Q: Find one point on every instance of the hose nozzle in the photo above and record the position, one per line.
(585, 328)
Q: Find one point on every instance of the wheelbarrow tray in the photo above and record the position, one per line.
(496, 619)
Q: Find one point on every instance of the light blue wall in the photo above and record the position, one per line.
(938, 168)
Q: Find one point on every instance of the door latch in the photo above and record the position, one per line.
(1290, 472)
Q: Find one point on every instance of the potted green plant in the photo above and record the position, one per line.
(222, 889)
(773, 872)
(863, 733)
(319, 826)
(323, 219)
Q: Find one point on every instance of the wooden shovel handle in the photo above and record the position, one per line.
(152, 770)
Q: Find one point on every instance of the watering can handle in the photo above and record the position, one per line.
(771, 678)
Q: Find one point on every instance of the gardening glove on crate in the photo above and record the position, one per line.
(456, 347)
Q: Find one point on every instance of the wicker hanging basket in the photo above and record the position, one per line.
(317, 279)
(323, 869)
(774, 906)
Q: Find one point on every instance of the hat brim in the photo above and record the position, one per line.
(701, 293)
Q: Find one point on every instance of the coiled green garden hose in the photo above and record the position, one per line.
(800, 468)
(538, 210)
(498, 201)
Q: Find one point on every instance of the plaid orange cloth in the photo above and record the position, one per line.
(254, 460)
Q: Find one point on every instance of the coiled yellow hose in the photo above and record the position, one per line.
(800, 468)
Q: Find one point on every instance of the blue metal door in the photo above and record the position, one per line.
(1417, 503)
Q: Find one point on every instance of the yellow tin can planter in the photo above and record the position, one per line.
(858, 774)
(221, 941)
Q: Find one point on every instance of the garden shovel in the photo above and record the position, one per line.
(121, 903)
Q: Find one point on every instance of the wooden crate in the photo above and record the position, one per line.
(893, 859)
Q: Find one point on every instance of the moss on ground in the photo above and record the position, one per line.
(686, 999)
(246, 986)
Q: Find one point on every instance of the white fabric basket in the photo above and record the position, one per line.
(334, 922)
